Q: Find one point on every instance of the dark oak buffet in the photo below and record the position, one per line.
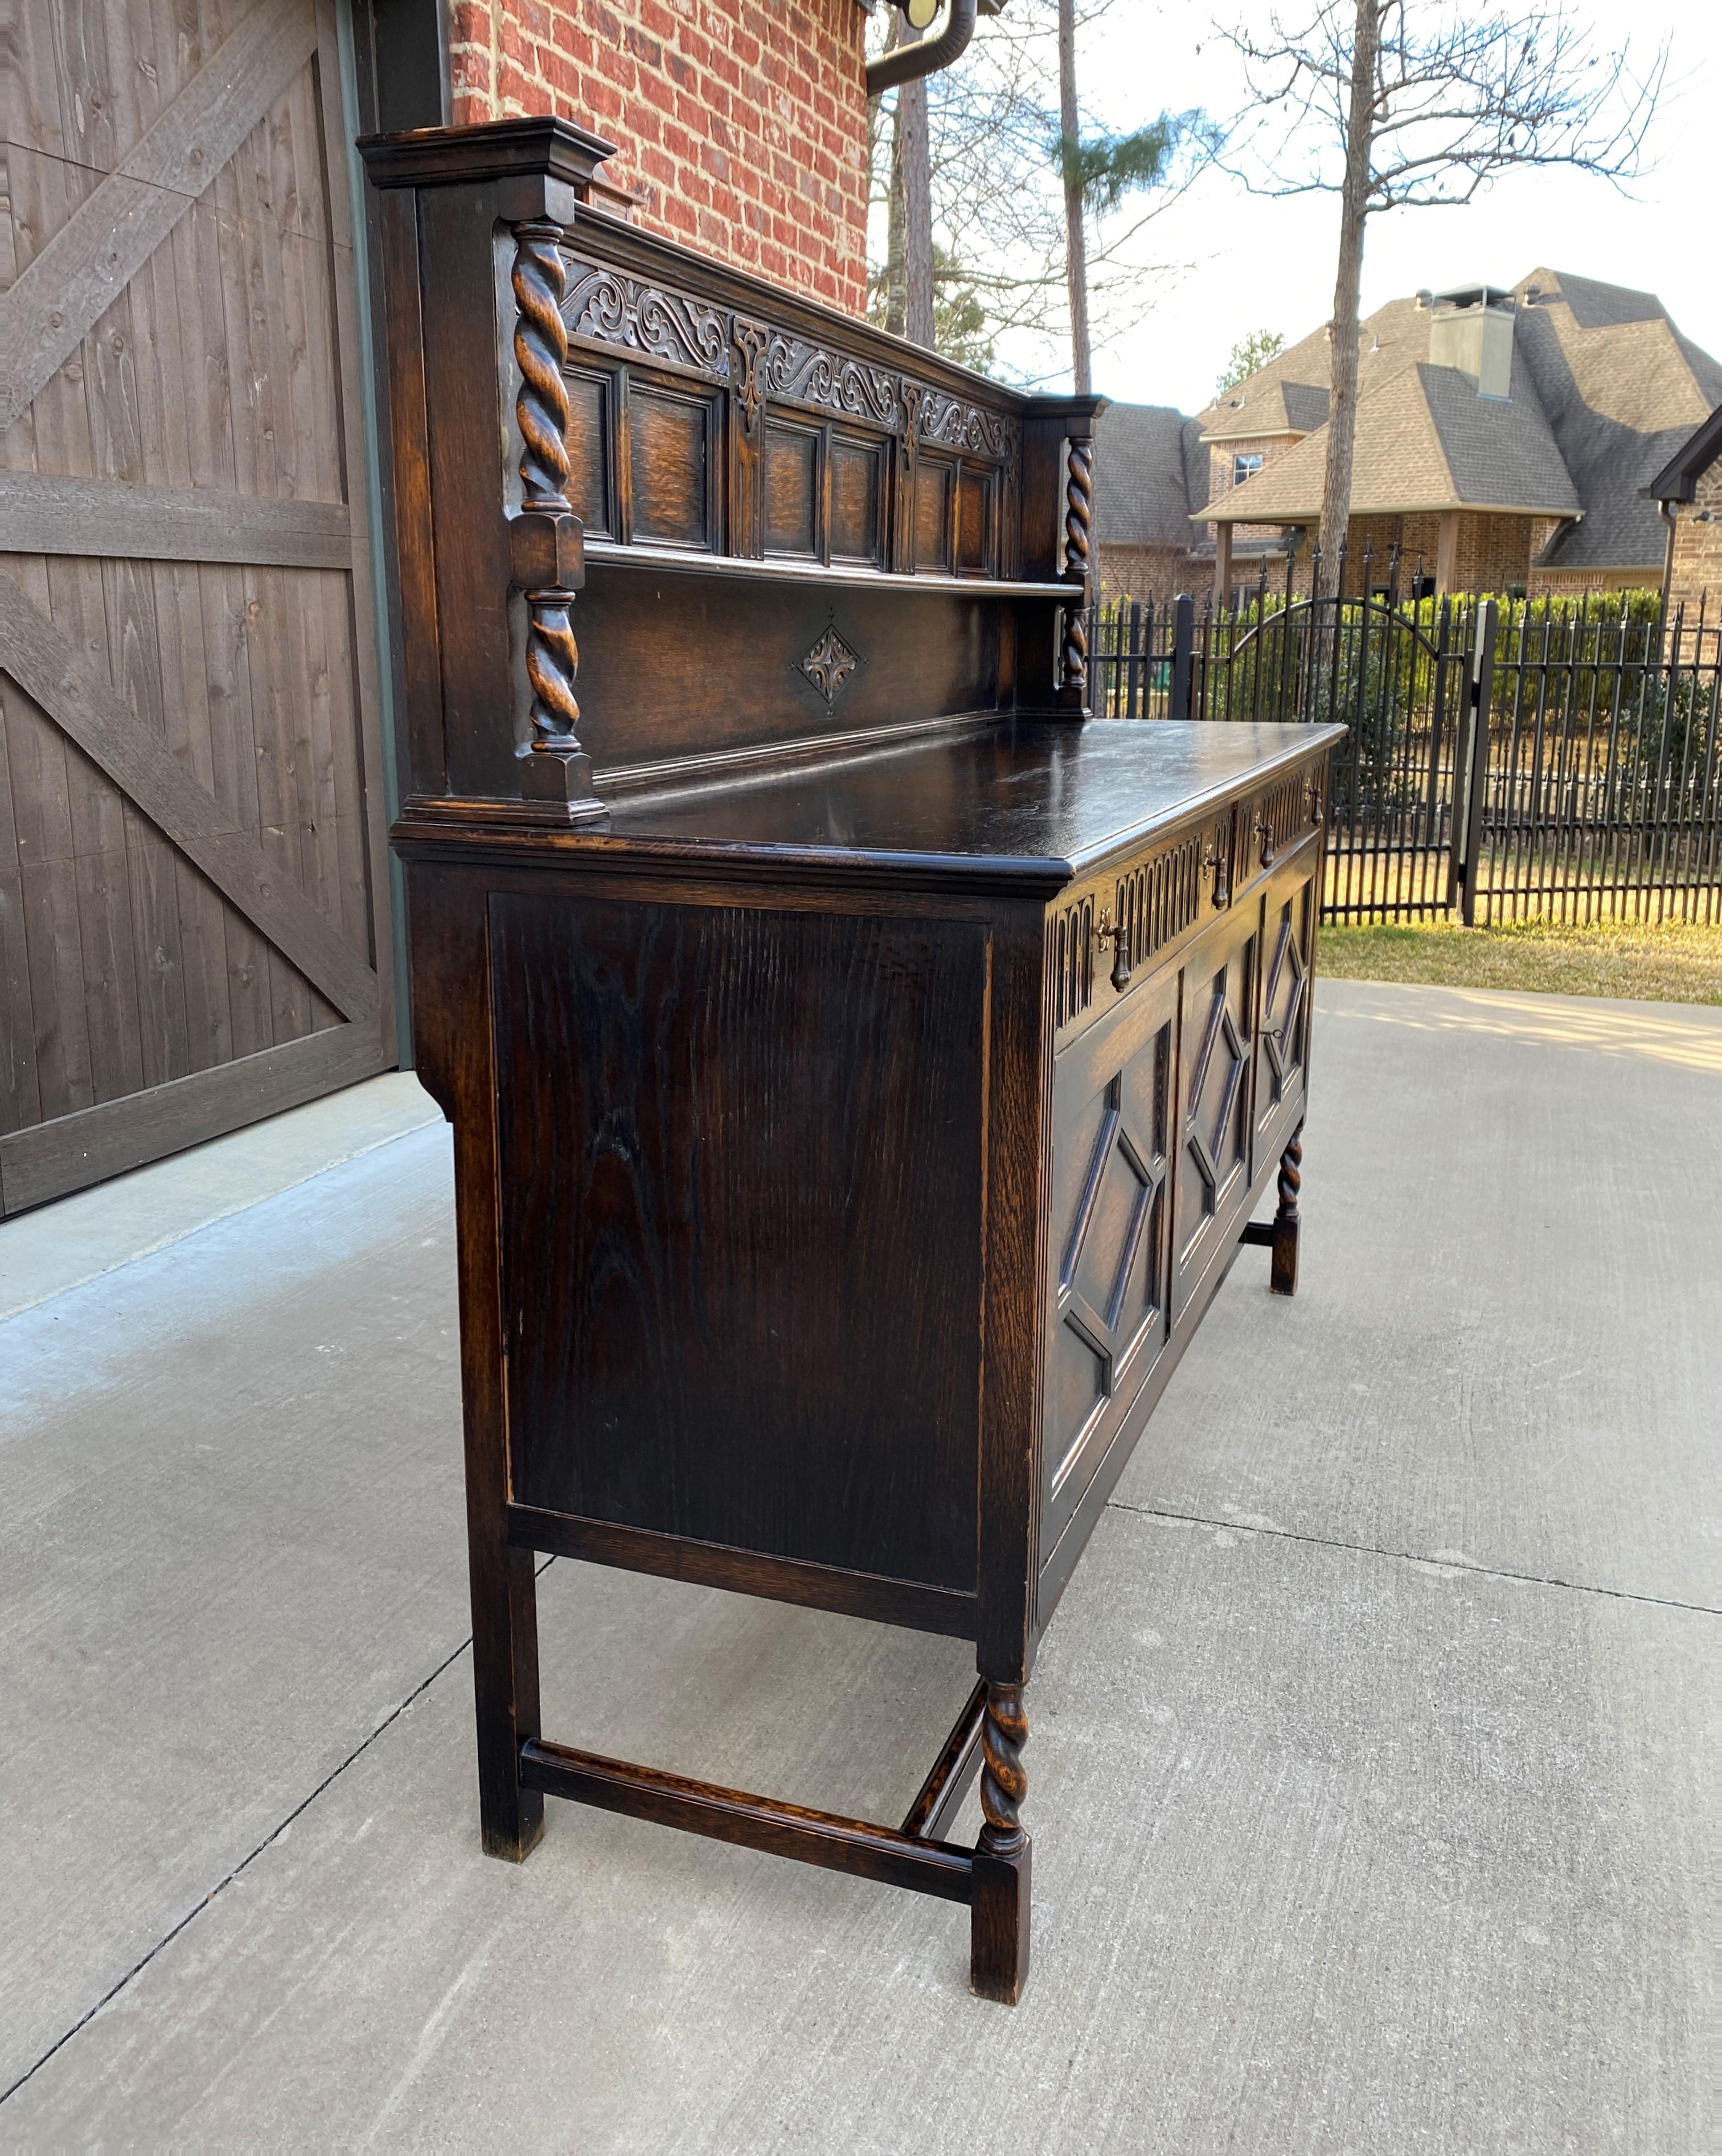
(862, 1065)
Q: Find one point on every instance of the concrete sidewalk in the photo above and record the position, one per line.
(1367, 1773)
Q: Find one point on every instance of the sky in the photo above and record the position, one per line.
(1239, 262)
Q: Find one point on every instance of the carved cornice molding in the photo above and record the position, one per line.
(955, 425)
(607, 307)
(802, 373)
(603, 304)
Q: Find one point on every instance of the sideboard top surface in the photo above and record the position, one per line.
(1042, 800)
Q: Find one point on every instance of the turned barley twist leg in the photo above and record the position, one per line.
(1283, 1274)
(998, 1938)
(1004, 1779)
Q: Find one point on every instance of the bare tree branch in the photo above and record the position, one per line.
(997, 160)
(1419, 105)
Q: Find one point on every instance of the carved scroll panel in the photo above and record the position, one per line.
(831, 457)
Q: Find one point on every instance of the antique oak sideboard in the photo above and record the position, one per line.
(862, 1065)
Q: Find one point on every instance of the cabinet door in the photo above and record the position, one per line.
(1216, 1044)
(1283, 1040)
(1112, 1116)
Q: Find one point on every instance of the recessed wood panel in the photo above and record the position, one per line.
(973, 519)
(589, 407)
(932, 515)
(670, 440)
(854, 500)
(768, 1343)
(1111, 1169)
(1281, 1042)
(791, 489)
(1219, 1039)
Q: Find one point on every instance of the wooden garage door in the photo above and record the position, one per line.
(193, 902)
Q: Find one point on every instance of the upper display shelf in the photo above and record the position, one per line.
(682, 416)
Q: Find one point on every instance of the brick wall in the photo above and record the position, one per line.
(1698, 548)
(1417, 538)
(741, 126)
(1495, 552)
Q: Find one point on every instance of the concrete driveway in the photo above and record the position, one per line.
(1367, 1774)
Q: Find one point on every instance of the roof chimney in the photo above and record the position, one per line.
(1471, 328)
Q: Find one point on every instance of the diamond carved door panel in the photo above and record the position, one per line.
(1282, 1045)
(1216, 1038)
(1111, 1173)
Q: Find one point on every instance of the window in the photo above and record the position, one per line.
(1245, 465)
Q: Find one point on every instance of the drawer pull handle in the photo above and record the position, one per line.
(1107, 931)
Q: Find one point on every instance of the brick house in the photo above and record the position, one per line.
(1687, 490)
(1504, 439)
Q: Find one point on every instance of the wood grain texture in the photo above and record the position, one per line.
(791, 489)
(48, 311)
(922, 1609)
(1215, 1067)
(833, 1843)
(71, 1150)
(50, 513)
(1108, 1313)
(741, 1174)
(669, 467)
(193, 476)
(110, 732)
(451, 993)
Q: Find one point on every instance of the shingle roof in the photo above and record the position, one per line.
(1143, 455)
(1604, 387)
(1424, 440)
(1289, 394)
(1623, 389)
(1605, 391)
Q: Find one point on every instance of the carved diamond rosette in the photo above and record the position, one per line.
(830, 665)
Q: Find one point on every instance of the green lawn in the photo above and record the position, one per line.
(1675, 962)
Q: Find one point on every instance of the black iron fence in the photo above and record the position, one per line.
(1506, 759)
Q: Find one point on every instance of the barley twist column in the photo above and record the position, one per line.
(1079, 522)
(546, 537)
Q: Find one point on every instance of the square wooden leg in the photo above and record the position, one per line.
(505, 1599)
(998, 1924)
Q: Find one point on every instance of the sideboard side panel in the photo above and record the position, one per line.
(741, 1178)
